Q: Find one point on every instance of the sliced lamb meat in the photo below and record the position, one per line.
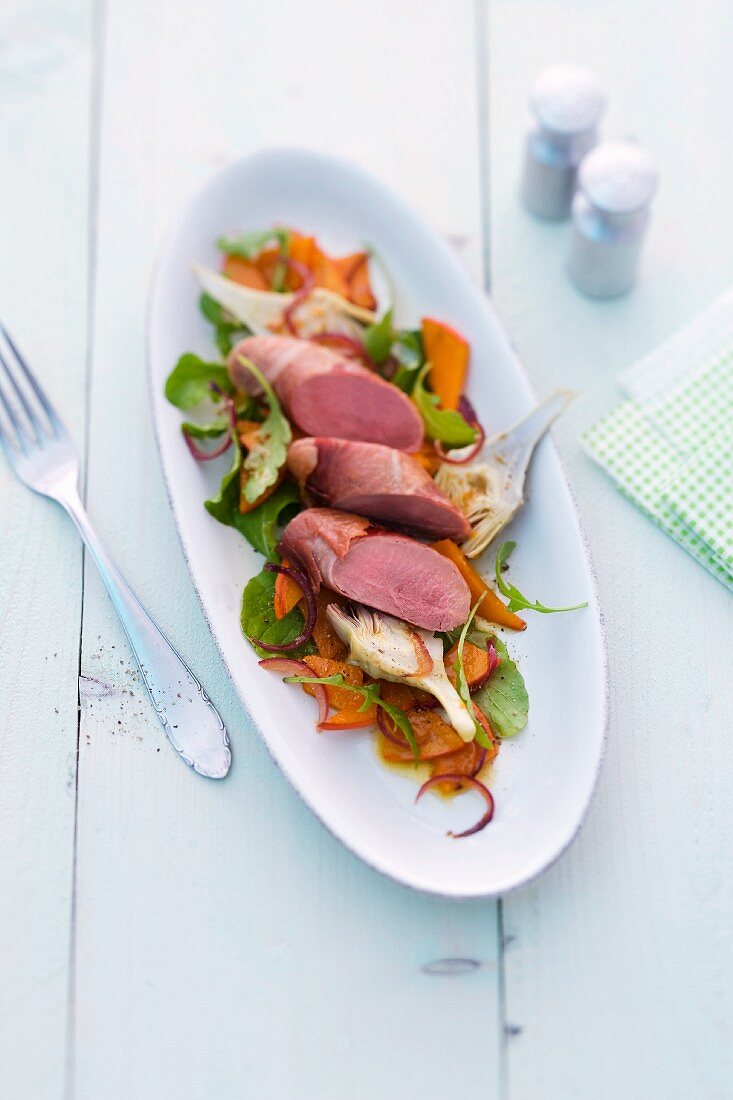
(376, 481)
(326, 394)
(389, 572)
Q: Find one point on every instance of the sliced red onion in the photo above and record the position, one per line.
(290, 667)
(300, 295)
(348, 343)
(494, 659)
(384, 721)
(301, 580)
(477, 785)
(481, 762)
(205, 456)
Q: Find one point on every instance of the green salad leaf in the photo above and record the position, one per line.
(258, 618)
(518, 602)
(409, 352)
(249, 245)
(267, 457)
(206, 431)
(378, 338)
(446, 425)
(371, 696)
(260, 526)
(189, 382)
(503, 698)
(227, 330)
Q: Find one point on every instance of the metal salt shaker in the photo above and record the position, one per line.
(616, 184)
(567, 102)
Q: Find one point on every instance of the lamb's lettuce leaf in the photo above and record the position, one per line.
(260, 526)
(189, 383)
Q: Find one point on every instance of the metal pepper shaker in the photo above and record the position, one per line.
(567, 102)
(616, 184)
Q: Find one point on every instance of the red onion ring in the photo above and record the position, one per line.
(206, 456)
(301, 580)
(290, 667)
(481, 762)
(383, 720)
(477, 786)
(300, 295)
(348, 343)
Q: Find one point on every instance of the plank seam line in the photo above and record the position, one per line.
(94, 124)
(481, 30)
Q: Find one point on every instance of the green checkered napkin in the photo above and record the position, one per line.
(669, 447)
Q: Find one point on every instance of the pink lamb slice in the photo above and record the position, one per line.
(327, 394)
(380, 482)
(386, 571)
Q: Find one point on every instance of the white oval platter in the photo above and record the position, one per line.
(543, 779)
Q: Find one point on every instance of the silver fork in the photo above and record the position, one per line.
(42, 455)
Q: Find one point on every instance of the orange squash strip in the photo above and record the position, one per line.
(491, 607)
(448, 354)
(245, 272)
(355, 271)
(287, 594)
(475, 664)
(326, 639)
(427, 457)
(432, 733)
(340, 698)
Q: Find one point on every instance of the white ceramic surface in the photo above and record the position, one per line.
(543, 779)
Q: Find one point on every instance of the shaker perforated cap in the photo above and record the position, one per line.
(567, 99)
(618, 177)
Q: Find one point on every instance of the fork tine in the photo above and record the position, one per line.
(5, 440)
(43, 401)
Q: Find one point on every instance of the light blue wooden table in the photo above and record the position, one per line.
(163, 937)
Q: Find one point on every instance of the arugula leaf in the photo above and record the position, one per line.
(503, 698)
(249, 245)
(461, 681)
(226, 330)
(190, 380)
(378, 338)
(447, 425)
(205, 431)
(409, 352)
(371, 694)
(518, 602)
(267, 457)
(258, 618)
(260, 526)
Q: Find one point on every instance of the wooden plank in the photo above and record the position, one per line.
(618, 973)
(226, 943)
(44, 95)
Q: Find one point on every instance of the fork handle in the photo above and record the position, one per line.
(191, 721)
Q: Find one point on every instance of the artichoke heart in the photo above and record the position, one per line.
(485, 495)
(389, 649)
